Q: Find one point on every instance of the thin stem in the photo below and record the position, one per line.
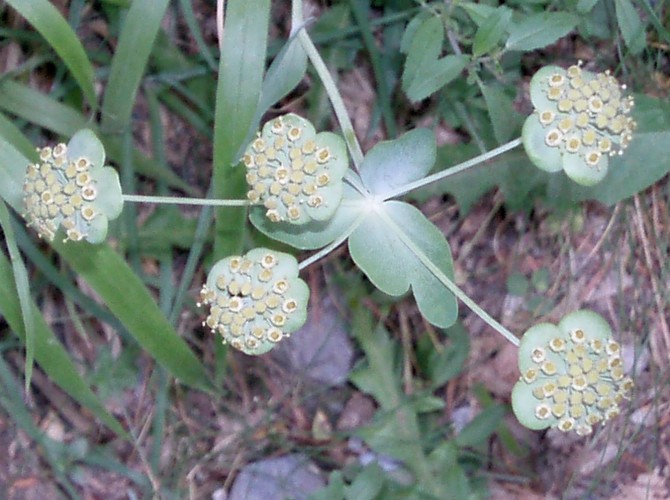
(453, 170)
(450, 285)
(334, 96)
(176, 200)
(329, 248)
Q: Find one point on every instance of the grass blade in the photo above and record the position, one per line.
(241, 66)
(130, 59)
(49, 352)
(21, 282)
(46, 19)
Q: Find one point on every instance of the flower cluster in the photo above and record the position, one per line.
(294, 172)
(71, 187)
(580, 120)
(255, 300)
(572, 375)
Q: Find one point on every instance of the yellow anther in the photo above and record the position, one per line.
(546, 117)
(557, 344)
(309, 189)
(273, 301)
(572, 144)
(578, 336)
(556, 80)
(259, 145)
(273, 215)
(543, 411)
(280, 143)
(558, 410)
(553, 138)
(565, 105)
(235, 263)
(530, 375)
(310, 167)
(89, 192)
(287, 199)
(549, 368)
(538, 355)
(297, 176)
(295, 153)
(45, 153)
(581, 105)
(271, 153)
(261, 160)
(88, 213)
(294, 133)
(315, 201)
(322, 155)
(59, 150)
(258, 332)
(574, 71)
(265, 275)
(565, 124)
(593, 158)
(277, 126)
(275, 188)
(589, 137)
(82, 164)
(595, 104)
(271, 204)
(289, 306)
(275, 334)
(554, 93)
(322, 180)
(293, 212)
(309, 147)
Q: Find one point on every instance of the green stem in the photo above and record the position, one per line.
(329, 248)
(176, 200)
(453, 170)
(331, 89)
(450, 285)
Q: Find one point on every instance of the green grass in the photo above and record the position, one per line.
(116, 330)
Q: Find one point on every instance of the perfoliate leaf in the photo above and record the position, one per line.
(393, 246)
(314, 234)
(391, 164)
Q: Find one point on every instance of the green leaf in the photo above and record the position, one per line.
(504, 118)
(478, 12)
(314, 234)
(631, 26)
(411, 29)
(20, 279)
(539, 30)
(368, 484)
(424, 71)
(49, 352)
(491, 31)
(398, 248)
(392, 164)
(46, 19)
(442, 366)
(240, 80)
(481, 427)
(140, 27)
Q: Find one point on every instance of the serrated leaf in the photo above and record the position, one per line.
(424, 71)
(478, 12)
(539, 30)
(630, 24)
(412, 27)
(392, 164)
(491, 31)
(393, 246)
(504, 118)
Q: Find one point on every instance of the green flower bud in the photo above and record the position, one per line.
(255, 300)
(585, 382)
(580, 120)
(71, 188)
(295, 172)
